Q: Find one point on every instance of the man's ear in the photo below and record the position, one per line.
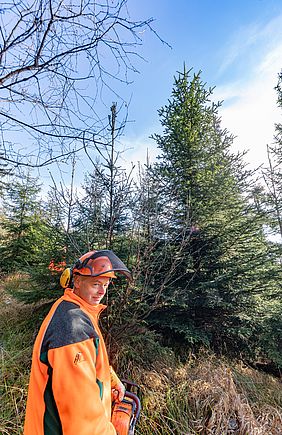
(76, 281)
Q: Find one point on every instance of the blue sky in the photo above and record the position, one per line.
(237, 45)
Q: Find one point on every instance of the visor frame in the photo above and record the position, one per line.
(116, 263)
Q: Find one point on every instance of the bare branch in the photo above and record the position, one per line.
(57, 61)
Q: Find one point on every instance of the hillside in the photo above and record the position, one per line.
(203, 395)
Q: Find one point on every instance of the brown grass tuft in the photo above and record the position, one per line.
(204, 397)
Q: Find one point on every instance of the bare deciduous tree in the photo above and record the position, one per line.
(58, 58)
(272, 179)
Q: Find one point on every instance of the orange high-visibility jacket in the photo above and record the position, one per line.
(70, 387)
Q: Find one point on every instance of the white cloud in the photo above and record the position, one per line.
(249, 110)
(244, 39)
(251, 43)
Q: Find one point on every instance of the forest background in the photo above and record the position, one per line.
(194, 225)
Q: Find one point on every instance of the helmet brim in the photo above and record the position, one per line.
(116, 265)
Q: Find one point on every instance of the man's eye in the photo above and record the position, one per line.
(98, 285)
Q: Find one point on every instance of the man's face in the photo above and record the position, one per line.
(91, 289)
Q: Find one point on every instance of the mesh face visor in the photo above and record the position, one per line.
(96, 263)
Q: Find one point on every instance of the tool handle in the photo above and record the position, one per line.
(137, 402)
(129, 385)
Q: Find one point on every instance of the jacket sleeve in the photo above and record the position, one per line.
(76, 391)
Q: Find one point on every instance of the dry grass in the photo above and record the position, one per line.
(18, 325)
(14, 358)
(204, 396)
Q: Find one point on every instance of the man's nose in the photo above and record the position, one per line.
(102, 289)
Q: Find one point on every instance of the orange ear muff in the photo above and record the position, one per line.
(66, 278)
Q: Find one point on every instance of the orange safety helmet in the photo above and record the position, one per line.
(96, 263)
(88, 266)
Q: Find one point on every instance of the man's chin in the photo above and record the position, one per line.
(95, 301)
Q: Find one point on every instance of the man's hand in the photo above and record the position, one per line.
(118, 389)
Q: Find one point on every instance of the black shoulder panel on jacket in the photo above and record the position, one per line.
(68, 325)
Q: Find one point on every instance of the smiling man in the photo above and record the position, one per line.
(72, 384)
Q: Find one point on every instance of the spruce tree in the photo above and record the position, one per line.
(221, 260)
(23, 224)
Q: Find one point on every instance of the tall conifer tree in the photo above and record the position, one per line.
(223, 263)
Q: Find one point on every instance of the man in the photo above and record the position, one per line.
(71, 383)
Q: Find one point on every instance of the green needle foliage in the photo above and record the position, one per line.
(22, 224)
(224, 269)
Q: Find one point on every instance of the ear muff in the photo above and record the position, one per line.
(66, 279)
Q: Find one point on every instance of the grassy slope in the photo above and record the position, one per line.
(206, 395)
